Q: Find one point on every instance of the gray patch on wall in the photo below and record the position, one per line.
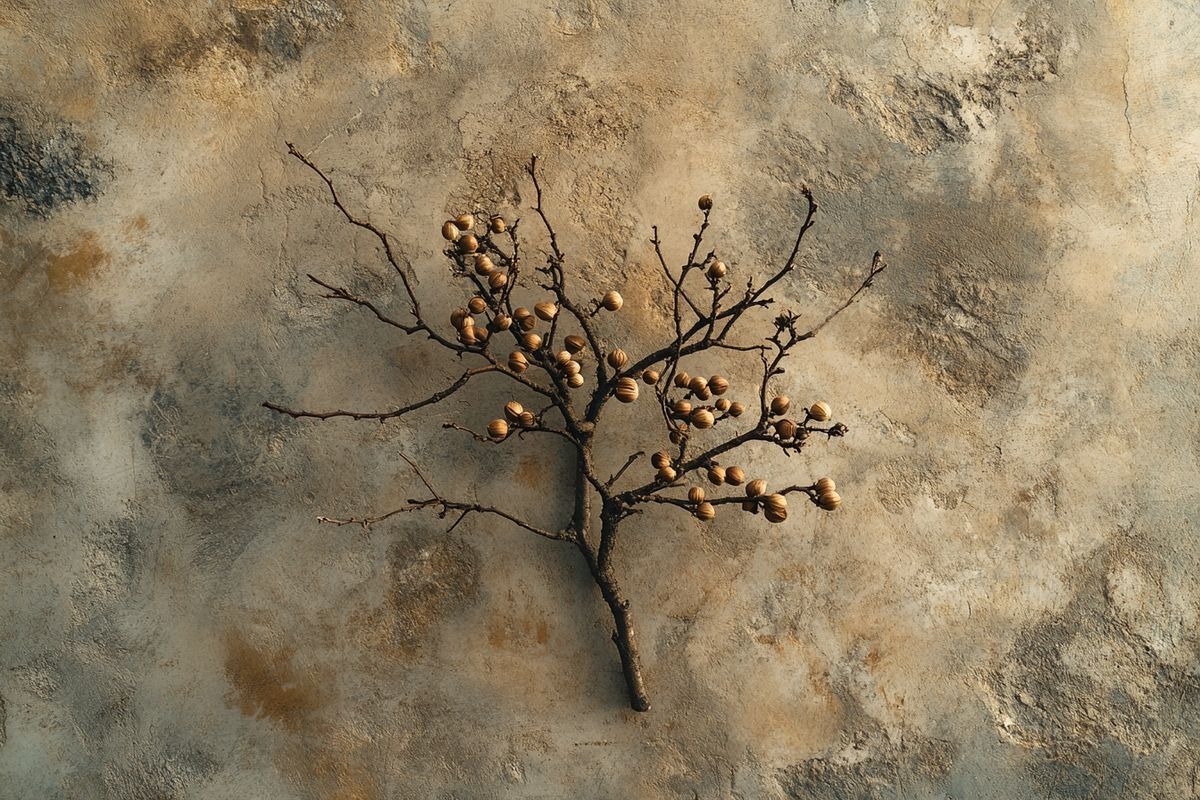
(43, 167)
(283, 33)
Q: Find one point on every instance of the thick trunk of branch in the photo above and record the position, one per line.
(625, 638)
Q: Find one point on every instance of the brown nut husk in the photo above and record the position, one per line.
(527, 323)
(820, 411)
(528, 420)
(464, 222)
(498, 225)
(722, 404)
(500, 322)
(736, 409)
(785, 428)
(780, 404)
(467, 334)
(531, 341)
(562, 357)
(477, 305)
(497, 429)
(517, 361)
(484, 264)
(829, 500)
(449, 230)
(521, 312)
(513, 410)
(705, 202)
(666, 474)
(775, 501)
(497, 280)
(612, 300)
(716, 475)
(660, 459)
(824, 485)
(696, 494)
(705, 512)
(702, 418)
(575, 343)
(649, 377)
(572, 368)
(750, 505)
(756, 487)
(718, 385)
(775, 514)
(716, 270)
(617, 358)
(458, 317)
(545, 310)
(697, 384)
(681, 379)
(575, 381)
(682, 407)
(467, 243)
(627, 390)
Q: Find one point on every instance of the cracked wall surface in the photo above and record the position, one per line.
(1005, 607)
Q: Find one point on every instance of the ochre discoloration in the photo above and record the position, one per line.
(268, 683)
(76, 266)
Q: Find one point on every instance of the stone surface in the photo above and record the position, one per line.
(1006, 606)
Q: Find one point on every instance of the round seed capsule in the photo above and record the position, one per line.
(466, 334)
(820, 411)
(498, 225)
(500, 322)
(531, 341)
(824, 485)
(780, 404)
(696, 494)
(617, 358)
(458, 317)
(513, 410)
(775, 501)
(562, 357)
(477, 305)
(483, 264)
(702, 418)
(775, 514)
(650, 377)
(464, 222)
(785, 428)
(612, 300)
(521, 312)
(545, 311)
(660, 459)
(517, 361)
(705, 512)
(575, 343)
(722, 404)
(736, 409)
(681, 379)
(497, 429)
(467, 243)
(528, 420)
(716, 270)
(750, 505)
(497, 280)
(575, 380)
(571, 368)
(527, 323)
(829, 500)
(449, 230)
(682, 407)
(698, 384)
(705, 202)
(716, 475)
(756, 487)
(718, 385)
(627, 390)
(666, 473)
(735, 476)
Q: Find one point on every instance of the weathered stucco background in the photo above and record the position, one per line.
(1007, 606)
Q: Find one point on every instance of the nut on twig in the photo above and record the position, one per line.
(627, 390)
(820, 411)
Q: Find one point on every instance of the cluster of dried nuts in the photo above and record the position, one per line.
(515, 415)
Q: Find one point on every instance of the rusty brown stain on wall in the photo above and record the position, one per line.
(266, 684)
(70, 269)
(532, 471)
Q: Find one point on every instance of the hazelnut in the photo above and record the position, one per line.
(464, 222)
(756, 487)
(501, 322)
(718, 385)
(775, 514)
(666, 474)
(528, 420)
(483, 264)
(705, 512)
(545, 311)
(612, 300)
(824, 485)
(705, 202)
(650, 377)
(531, 341)
(681, 379)
(696, 494)
(702, 418)
(697, 384)
(449, 230)
(627, 390)
(735, 476)
(575, 343)
(617, 358)
(513, 410)
(820, 411)
(829, 500)
(575, 380)
(572, 367)
(477, 305)
(517, 361)
(498, 225)
(497, 280)
(458, 317)
(785, 428)
(780, 404)
(682, 407)
(736, 409)
(660, 459)
(716, 270)
(716, 475)
(497, 429)
(467, 243)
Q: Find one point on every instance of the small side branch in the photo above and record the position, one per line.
(382, 416)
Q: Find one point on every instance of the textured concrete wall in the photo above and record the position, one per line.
(1005, 608)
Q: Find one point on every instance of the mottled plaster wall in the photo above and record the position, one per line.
(1005, 608)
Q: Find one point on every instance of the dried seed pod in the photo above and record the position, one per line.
(676, 437)
(702, 418)
(716, 270)
(497, 280)
(545, 310)
(716, 475)
(467, 335)
(497, 429)
(521, 312)
(750, 505)
(627, 390)
(820, 411)
(617, 358)
(824, 485)
(718, 384)
(575, 343)
(722, 404)
(482, 334)
(735, 476)
(756, 487)
(705, 512)
(483, 264)
(517, 361)
(571, 368)
(464, 222)
(785, 428)
(467, 243)
(528, 420)
(650, 377)
(513, 410)
(531, 341)
(736, 409)
(458, 317)
(682, 407)
(477, 305)
(500, 322)
(681, 379)
(660, 459)
(780, 404)
(575, 380)
(612, 300)
(703, 394)
(829, 500)
(449, 230)
(775, 514)
(705, 202)
(562, 357)
(696, 494)
(498, 225)
(527, 323)
(698, 384)
(775, 501)
(666, 473)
